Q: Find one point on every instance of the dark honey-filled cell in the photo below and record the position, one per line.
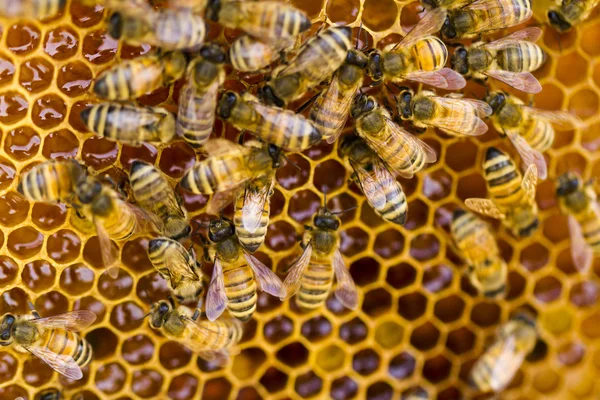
(48, 216)
(412, 305)
(137, 349)
(218, 388)
(127, 316)
(425, 337)
(98, 47)
(103, 341)
(61, 43)
(36, 372)
(38, 275)
(146, 383)
(48, 111)
(74, 79)
(13, 107)
(36, 74)
(343, 388)
(365, 362)
(76, 279)
(174, 355)
(7, 69)
(63, 246)
(22, 38)
(25, 242)
(308, 384)
(293, 355)
(110, 378)
(402, 366)
(13, 209)
(22, 143)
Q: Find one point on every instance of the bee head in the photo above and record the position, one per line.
(558, 21)
(115, 25)
(362, 104)
(159, 313)
(214, 53)
(266, 95)
(459, 61)
(448, 30)
(6, 328)
(347, 143)
(568, 183)
(357, 58)
(496, 100)
(226, 104)
(403, 103)
(326, 220)
(275, 154)
(212, 10)
(374, 65)
(89, 190)
(220, 229)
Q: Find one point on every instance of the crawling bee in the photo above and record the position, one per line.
(568, 13)
(487, 270)
(484, 16)
(236, 275)
(248, 54)
(455, 116)
(418, 57)
(403, 153)
(134, 78)
(283, 128)
(501, 361)
(53, 339)
(52, 181)
(381, 189)
(445, 4)
(530, 130)
(311, 276)
(510, 60)
(213, 341)
(198, 97)
(129, 124)
(34, 9)
(513, 195)
(579, 201)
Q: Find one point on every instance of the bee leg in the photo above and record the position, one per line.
(196, 315)
(171, 301)
(307, 103)
(241, 137)
(33, 311)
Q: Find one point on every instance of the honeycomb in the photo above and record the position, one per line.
(419, 323)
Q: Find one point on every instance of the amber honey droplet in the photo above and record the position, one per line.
(8, 270)
(48, 216)
(176, 159)
(63, 246)
(7, 70)
(145, 152)
(61, 43)
(99, 47)
(137, 349)
(99, 153)
(36, 74)
(7, 173)
(48, 111)
(22, 38)
(13, 107)
(60, 145)
(114, 289)
(22, 143)
(110, 378)
(74, 79)
(13, 209)
(75, 115)
(38, 275)
(52, 303)
(343, 11)
(25, 242)
(128, 51)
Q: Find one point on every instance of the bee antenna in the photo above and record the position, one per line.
(291, 162)
(358, 35)
(143, 317)
(325, 199)
(345, 211)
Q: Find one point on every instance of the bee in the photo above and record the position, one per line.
(52, 181)
(213, 341)
(418, 57)
(134, 78)
(452, 115)
(513, 195)
(198, 97)
(510, 60)
(53, 339)
(311, 275)
(248, 54)
(381, 189)
(168, 29)
(445, 4)
(498, 365)
(579, 201)
(403, 153)
(530, 130)
(283, 128)
(569, 13)
(487, 270)
(272, 22)
(484, 16)
(236, 275)
(154, 194)
(314, 63)
(178, 266)
(34, 9)
(415, 393)
(129, 124)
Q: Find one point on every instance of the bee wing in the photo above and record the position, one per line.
(199, 330)
(482, 109)
(254, 203)
(531, 34)
(61, 363)
(107, 251)
(374, 184)
(292, 280)
(216, 299)
(266, 279)
(178, 267)
(485, 207)
(219, 146)
(71, 321)
(561, 120)
(218, 357)
(528, 154)
(529, 182)
(445, 78)
(457, 111)
(346, 291)
(333, 99)
(581, 253)
(190, 100)
(220, 200)
(523, 81)
(430, 24)
(146, 221)
(507, 362)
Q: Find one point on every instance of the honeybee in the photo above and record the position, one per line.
(403, 153)
(484, 16)
(154, 194)
(419, 57)
(198, 97)
(311, 276)
(236, 275)
(314, 63)
(134, 78)
(530, 130)
(569, 13)
(169, 29)
(34, 9)
(510, 60)
(53, 339)
(272, 22)
(498, 365)
(178, 266)
(455, 116)
(487, 271)
(129, 124)
(213, 341)
(445, 4)
(381, 189)
(283, 128)
(52, 181)
(513, 195)
(415, 393)
(579, 201)
(248, 54)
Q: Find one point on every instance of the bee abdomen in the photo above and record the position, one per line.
(315, 286)
(51, 181)
(240, 288)
(503, 178)
(540, 135)
(522, 57)
(430, 53)
(591, 232)
(215, 174)
(395, 208)
(179, 30)
(122, 223)
(248, 54)
(130, 80)
(69, 343)
(290, 131)
(327, 52)
(195, 120)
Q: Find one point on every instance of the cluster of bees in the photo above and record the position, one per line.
(244, 172)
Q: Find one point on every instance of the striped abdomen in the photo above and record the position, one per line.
(315, 283)
(461, 117)
(67, 343)
(589, 219)
(122, 221)
(240, 288)
(179, 30)
(250, 239)
(52, 181)
(538, 133)
(41, 8)
(331, 109)
(503, 179)
(248, 54)
(152, 191)
(487, 376)
(228, 333)
(520, 57)
(196, 113)
(393, 148)
(130, 79)
(498, 14)
(428, 54)
(285, 129)
(474, 238)
(216, 174)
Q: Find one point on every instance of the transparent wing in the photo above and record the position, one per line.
(561, 120)
(107, 251)
(147, 222)
(266, 279)
(445, 78)
(430, 24)
(482, 109)
(178, 265)
(274, 116)
(346, 291)
(63, 364)
(218, 357)
(456, 112)
(528, 154)
(485, 207)
(334, 100)
(216, 299)
(582, 254)
(71, 321)
(200, 334)
(218, 146)
(377, 183)
(523, 81)
(220, 200)
(293, 279)
(529, 182)
(254, 203)
(531, 34)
